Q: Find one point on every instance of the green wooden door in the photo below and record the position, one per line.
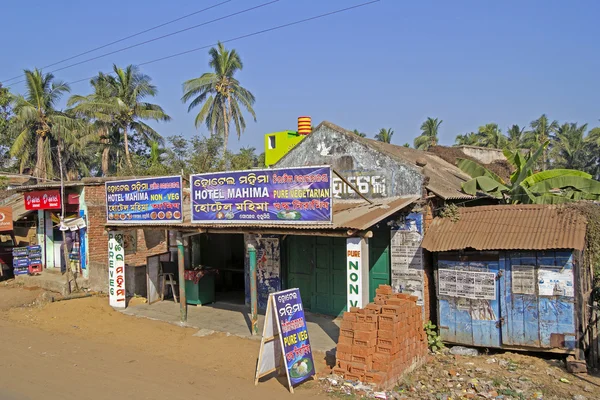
(317, 266)
(300, 255)
(379, 261)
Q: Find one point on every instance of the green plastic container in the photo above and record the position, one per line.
(203, 292)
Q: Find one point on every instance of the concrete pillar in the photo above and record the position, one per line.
(357, 278)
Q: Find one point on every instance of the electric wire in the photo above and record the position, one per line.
(126, 38)
(156, 39)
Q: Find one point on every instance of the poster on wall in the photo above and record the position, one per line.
(406, 256)
(282, 196)
(554, 281)
(285, 322)
(268, 264)
(467, 284)
(116, 270)
(523, 279)
(148, 200)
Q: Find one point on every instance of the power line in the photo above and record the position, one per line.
(158, 38)
(127, 37)
(249, 35)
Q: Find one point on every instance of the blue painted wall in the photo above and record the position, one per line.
(530, 318)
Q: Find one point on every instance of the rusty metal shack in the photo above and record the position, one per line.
(513, 277)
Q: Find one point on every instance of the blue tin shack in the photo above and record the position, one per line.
(512, 277)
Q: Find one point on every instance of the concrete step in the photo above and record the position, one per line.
(50, 280)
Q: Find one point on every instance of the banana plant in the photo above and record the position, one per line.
(545, 187)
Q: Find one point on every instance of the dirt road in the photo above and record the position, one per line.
(82, 349)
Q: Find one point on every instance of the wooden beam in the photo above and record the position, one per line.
(351, 186)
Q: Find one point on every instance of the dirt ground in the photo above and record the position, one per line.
(83, 349)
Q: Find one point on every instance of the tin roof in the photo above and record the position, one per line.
(347, 215)
(508, 227)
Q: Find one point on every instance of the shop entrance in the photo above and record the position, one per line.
(224, 253)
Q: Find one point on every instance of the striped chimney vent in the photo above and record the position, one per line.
(304, 125)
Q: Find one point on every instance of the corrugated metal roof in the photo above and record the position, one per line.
(18, 206)
(354, 215)
(508, 227)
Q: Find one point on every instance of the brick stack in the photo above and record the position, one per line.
(378, 343)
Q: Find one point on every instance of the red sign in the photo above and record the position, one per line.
(42, 200)
(6, 222)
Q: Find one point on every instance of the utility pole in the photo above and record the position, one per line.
(62, 219)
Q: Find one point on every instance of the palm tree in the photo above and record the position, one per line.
(359, 133)
(541, 130)
(220, 94)
(385, 135)
(569, 147)
(38, 125)
(468, 139)
(515, 137)
(429, 134)
(491, 136)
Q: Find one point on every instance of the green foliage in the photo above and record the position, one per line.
(434, 340)
(591, 253)
(451, 211)
(3, 182)
(358, 133)
(546, 187)
(220, 95)
(385, 135)
(429, 134)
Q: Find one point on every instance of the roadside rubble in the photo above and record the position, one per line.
(500, 376)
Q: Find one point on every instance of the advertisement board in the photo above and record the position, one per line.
(285, 343)
(147, 200)
(116, 270)
(42, 200)
(270, 196)
(6, 221)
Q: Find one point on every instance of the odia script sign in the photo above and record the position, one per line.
(116, 270)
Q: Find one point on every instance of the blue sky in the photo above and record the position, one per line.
(389, 64)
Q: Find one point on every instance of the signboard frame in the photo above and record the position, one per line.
(148, 222)
(261, 222)
(272, 353)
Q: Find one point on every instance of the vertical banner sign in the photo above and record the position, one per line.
(116, 270)
(285, 319)
(148, 200)
(354, 278)
(285, 195)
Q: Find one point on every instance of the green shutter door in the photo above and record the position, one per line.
(300, 250)
(317, 265)
(379, 261)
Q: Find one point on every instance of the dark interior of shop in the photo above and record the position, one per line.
(225, 253)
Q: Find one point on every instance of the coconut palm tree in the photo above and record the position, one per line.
(541, 130)
(569, 147)
(491, 136)
(220, 95)
(359, 133)
(38, 125)
(117, 103)
(385, 135)
(515, 137)
(429, 134)
(468, 139)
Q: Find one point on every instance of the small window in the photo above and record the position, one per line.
(271, 142)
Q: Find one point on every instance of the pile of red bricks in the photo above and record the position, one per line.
(380, 342)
